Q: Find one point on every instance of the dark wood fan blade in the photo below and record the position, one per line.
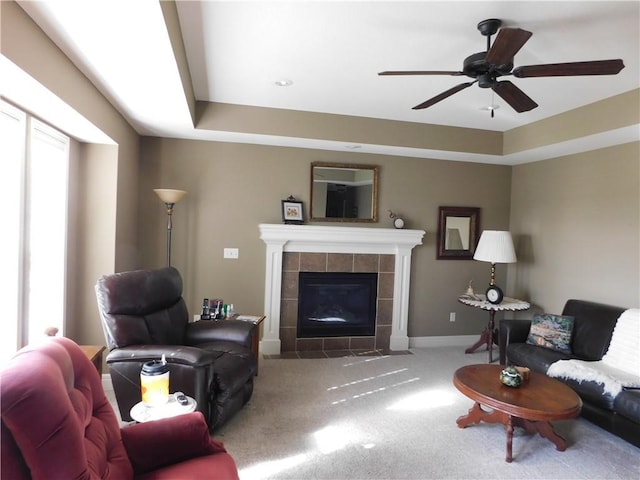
(508, 42)
(443, 95)
(515, 97)
(420, 72)
(596, 67)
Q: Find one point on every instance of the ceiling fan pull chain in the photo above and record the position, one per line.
(493, 103)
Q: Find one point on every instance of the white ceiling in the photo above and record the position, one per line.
(332, 51)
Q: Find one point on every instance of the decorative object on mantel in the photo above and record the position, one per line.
(458, 231)
(495, 247)
(292, 211)
(170, 197)
(398, 221)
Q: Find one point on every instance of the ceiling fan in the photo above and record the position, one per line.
(487, 67)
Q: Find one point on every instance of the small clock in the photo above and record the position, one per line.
(494, 294)
(398, 222)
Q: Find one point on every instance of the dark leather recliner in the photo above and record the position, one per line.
(144, 316)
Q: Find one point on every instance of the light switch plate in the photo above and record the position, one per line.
(231, 253)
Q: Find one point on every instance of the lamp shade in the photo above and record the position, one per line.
(496, 247)
(168, 195)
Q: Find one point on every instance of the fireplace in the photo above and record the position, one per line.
(294, 248)
(337, 304)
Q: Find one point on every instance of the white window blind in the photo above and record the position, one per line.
(35, 158)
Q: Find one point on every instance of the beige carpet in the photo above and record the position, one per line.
(395, 417)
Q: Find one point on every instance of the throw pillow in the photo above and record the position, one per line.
(551, 331)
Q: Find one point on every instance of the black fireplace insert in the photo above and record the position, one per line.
(337, 304)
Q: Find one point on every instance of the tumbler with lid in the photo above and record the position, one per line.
(154, 382)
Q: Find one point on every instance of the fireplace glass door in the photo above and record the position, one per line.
(337, 304)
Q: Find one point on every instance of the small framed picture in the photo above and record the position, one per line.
(292, 211)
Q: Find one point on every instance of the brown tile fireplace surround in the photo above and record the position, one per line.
(291, 249)
(295, 262)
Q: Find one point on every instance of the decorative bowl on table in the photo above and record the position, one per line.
(511, 377)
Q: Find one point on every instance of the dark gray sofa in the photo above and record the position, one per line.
(592, 331)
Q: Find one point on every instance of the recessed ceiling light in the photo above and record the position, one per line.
(285, 82)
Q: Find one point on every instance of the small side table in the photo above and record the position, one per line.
(486, 337)
(255, 339)
(94, 353)
(141, 412)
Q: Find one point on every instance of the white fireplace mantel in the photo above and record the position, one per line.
(336, 239)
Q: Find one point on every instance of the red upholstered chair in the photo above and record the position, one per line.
(58, 424)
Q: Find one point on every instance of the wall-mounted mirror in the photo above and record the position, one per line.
(344, 193)
(458, 232)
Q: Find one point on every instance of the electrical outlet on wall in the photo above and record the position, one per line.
(452, 317)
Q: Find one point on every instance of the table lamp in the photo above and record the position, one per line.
(170, 198)
(496, 247)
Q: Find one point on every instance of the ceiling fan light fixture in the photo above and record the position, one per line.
(486, 80)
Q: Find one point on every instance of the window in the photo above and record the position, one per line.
(35, 159)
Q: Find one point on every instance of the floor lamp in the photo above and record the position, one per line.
(170, 198)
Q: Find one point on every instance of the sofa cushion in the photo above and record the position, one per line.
(551, 331)
(612, 379)
(535, 357)
(591, 392)
(592, 327)
(627, 404)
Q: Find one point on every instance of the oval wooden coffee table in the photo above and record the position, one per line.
(532, 406)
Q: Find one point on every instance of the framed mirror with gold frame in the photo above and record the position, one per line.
(344, 192)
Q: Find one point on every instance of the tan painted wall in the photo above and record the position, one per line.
(612, 113)
(563, 211)
(349, 129)
(103, 232)
(576, 221)
(233, 188)
(99, 174)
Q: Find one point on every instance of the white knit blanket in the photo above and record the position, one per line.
(620, 366)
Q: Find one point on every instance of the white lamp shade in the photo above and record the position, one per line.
(496, 247)
(168, 195)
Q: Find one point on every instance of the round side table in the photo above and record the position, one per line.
(141, 412)
(480, 301)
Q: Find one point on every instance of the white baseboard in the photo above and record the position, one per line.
(443, 341)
